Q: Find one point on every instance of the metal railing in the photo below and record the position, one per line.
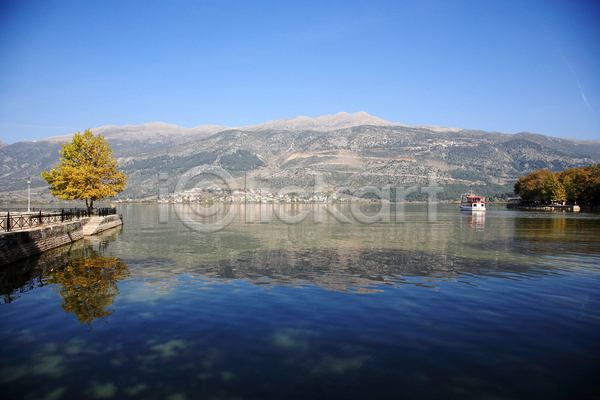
(103, 212)
(14, 221)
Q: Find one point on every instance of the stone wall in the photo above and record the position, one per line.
(22, 244)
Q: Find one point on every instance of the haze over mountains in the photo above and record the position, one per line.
(344, 150)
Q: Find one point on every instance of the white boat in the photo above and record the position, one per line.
(471, 202)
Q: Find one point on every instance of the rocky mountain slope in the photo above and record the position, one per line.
(366, 155)
(342, 150)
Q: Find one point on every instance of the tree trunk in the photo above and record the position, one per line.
(90, 206)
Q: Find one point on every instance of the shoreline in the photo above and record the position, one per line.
(24, 243)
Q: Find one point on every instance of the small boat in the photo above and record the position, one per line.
(471, 202)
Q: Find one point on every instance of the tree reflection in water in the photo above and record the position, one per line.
(88, 285)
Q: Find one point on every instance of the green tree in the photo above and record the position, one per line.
(574, 185)
(86, 170)
(553, 190)
(531, 187)
(575, 181)
(592, 190)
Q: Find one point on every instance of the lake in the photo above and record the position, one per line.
(298, 302)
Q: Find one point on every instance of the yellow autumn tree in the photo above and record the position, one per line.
(86, 170)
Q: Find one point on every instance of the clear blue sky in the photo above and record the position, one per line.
(497, 66)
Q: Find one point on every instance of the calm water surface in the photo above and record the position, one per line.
(504, 305)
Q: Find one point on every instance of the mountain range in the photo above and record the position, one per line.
(343, 150)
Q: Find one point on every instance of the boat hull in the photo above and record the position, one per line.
(472, 208)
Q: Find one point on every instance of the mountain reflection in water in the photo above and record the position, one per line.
(87, 283)
(344, 270)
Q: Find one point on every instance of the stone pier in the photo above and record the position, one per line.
(99, 224)
(25, 243)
